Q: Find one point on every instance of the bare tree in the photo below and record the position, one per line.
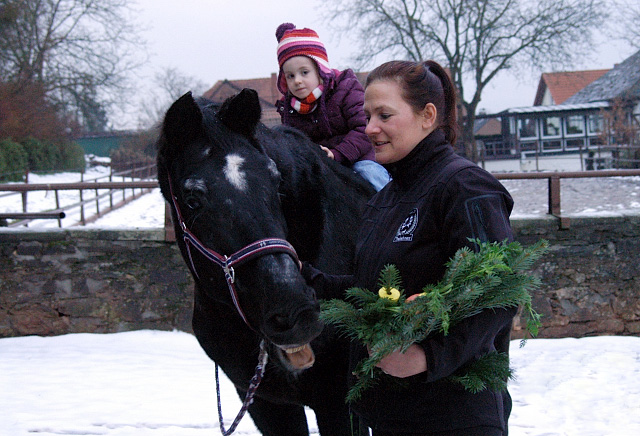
(79, 51)
(474, 39)
(626, 24)
(167, 86)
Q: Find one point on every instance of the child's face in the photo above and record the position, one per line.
(302, 76)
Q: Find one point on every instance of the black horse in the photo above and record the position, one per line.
(237, 187)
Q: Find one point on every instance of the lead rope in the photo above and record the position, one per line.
(248, 399)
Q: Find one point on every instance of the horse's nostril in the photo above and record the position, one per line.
(279, 323)
(193, 202)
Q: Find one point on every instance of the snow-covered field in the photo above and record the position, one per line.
(151, 383)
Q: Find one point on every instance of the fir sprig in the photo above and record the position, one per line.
(493, 277)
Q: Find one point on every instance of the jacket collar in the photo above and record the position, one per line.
(414, 165)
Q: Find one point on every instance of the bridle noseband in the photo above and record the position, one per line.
(227, 263)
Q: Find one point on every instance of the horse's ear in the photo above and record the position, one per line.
(183, 121)
(241, 113)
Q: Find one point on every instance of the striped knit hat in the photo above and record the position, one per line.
(300, 42)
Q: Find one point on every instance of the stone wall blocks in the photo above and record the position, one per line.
(80, 280)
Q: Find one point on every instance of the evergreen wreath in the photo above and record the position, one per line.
(493, 277)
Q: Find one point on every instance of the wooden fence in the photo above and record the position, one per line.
(118, 194)
(121, 188)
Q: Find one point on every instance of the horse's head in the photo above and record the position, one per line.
(224, 193)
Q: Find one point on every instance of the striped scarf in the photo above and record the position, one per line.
(309, 103)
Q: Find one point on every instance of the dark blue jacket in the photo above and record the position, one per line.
(435, 201)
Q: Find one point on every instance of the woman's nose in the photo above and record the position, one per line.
(370, 129)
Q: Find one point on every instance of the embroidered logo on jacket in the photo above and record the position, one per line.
(406, 229)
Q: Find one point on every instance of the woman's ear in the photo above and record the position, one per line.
(429, 116)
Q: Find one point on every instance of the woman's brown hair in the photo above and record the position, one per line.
(423, 83)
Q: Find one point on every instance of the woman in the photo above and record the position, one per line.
(435, 202)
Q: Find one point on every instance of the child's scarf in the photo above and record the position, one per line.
(309, 103)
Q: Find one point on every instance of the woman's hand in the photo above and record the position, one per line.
(328, 151)
(411, 362)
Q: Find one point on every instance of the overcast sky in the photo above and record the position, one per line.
(213, 40)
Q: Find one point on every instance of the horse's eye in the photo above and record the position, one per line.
(193, 202)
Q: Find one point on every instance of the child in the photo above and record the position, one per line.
(325, 104)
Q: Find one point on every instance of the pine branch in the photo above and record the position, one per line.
(495, 277)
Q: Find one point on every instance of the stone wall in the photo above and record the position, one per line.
(72, 281)
(590, 276)
(100, 281)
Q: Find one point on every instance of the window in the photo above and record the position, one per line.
(551, 146)
(527, 128)
(575, 125)
(551, 126)
(575, 144)
(596, 123)
(528, 146)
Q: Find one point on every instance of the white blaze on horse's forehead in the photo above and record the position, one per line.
(233, 172)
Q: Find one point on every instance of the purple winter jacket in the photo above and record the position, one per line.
(338, 122)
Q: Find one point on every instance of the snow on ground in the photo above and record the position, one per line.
(152, 383)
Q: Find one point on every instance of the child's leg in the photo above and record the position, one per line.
(372, 172)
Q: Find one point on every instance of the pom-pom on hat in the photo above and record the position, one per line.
(300, 42)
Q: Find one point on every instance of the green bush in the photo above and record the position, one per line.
(37, 156)
(3, 166)
(71, 156)
(15, 160)
(42, 157)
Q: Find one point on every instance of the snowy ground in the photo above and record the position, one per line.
(151, 383)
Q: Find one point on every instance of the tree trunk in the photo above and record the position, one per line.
(468, 137)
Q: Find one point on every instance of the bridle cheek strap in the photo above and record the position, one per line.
(227, 263)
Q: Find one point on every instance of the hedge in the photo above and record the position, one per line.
(34, 155)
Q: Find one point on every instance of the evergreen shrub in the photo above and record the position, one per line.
(15, 160)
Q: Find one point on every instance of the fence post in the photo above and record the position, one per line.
(169, 230)
(554, 202)
(82, 220)
(58, 207)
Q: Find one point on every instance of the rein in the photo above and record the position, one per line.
(248, 399)
(227, 263)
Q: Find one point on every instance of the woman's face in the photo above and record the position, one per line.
(393, 125)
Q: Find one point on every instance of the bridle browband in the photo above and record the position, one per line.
(227, 263)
